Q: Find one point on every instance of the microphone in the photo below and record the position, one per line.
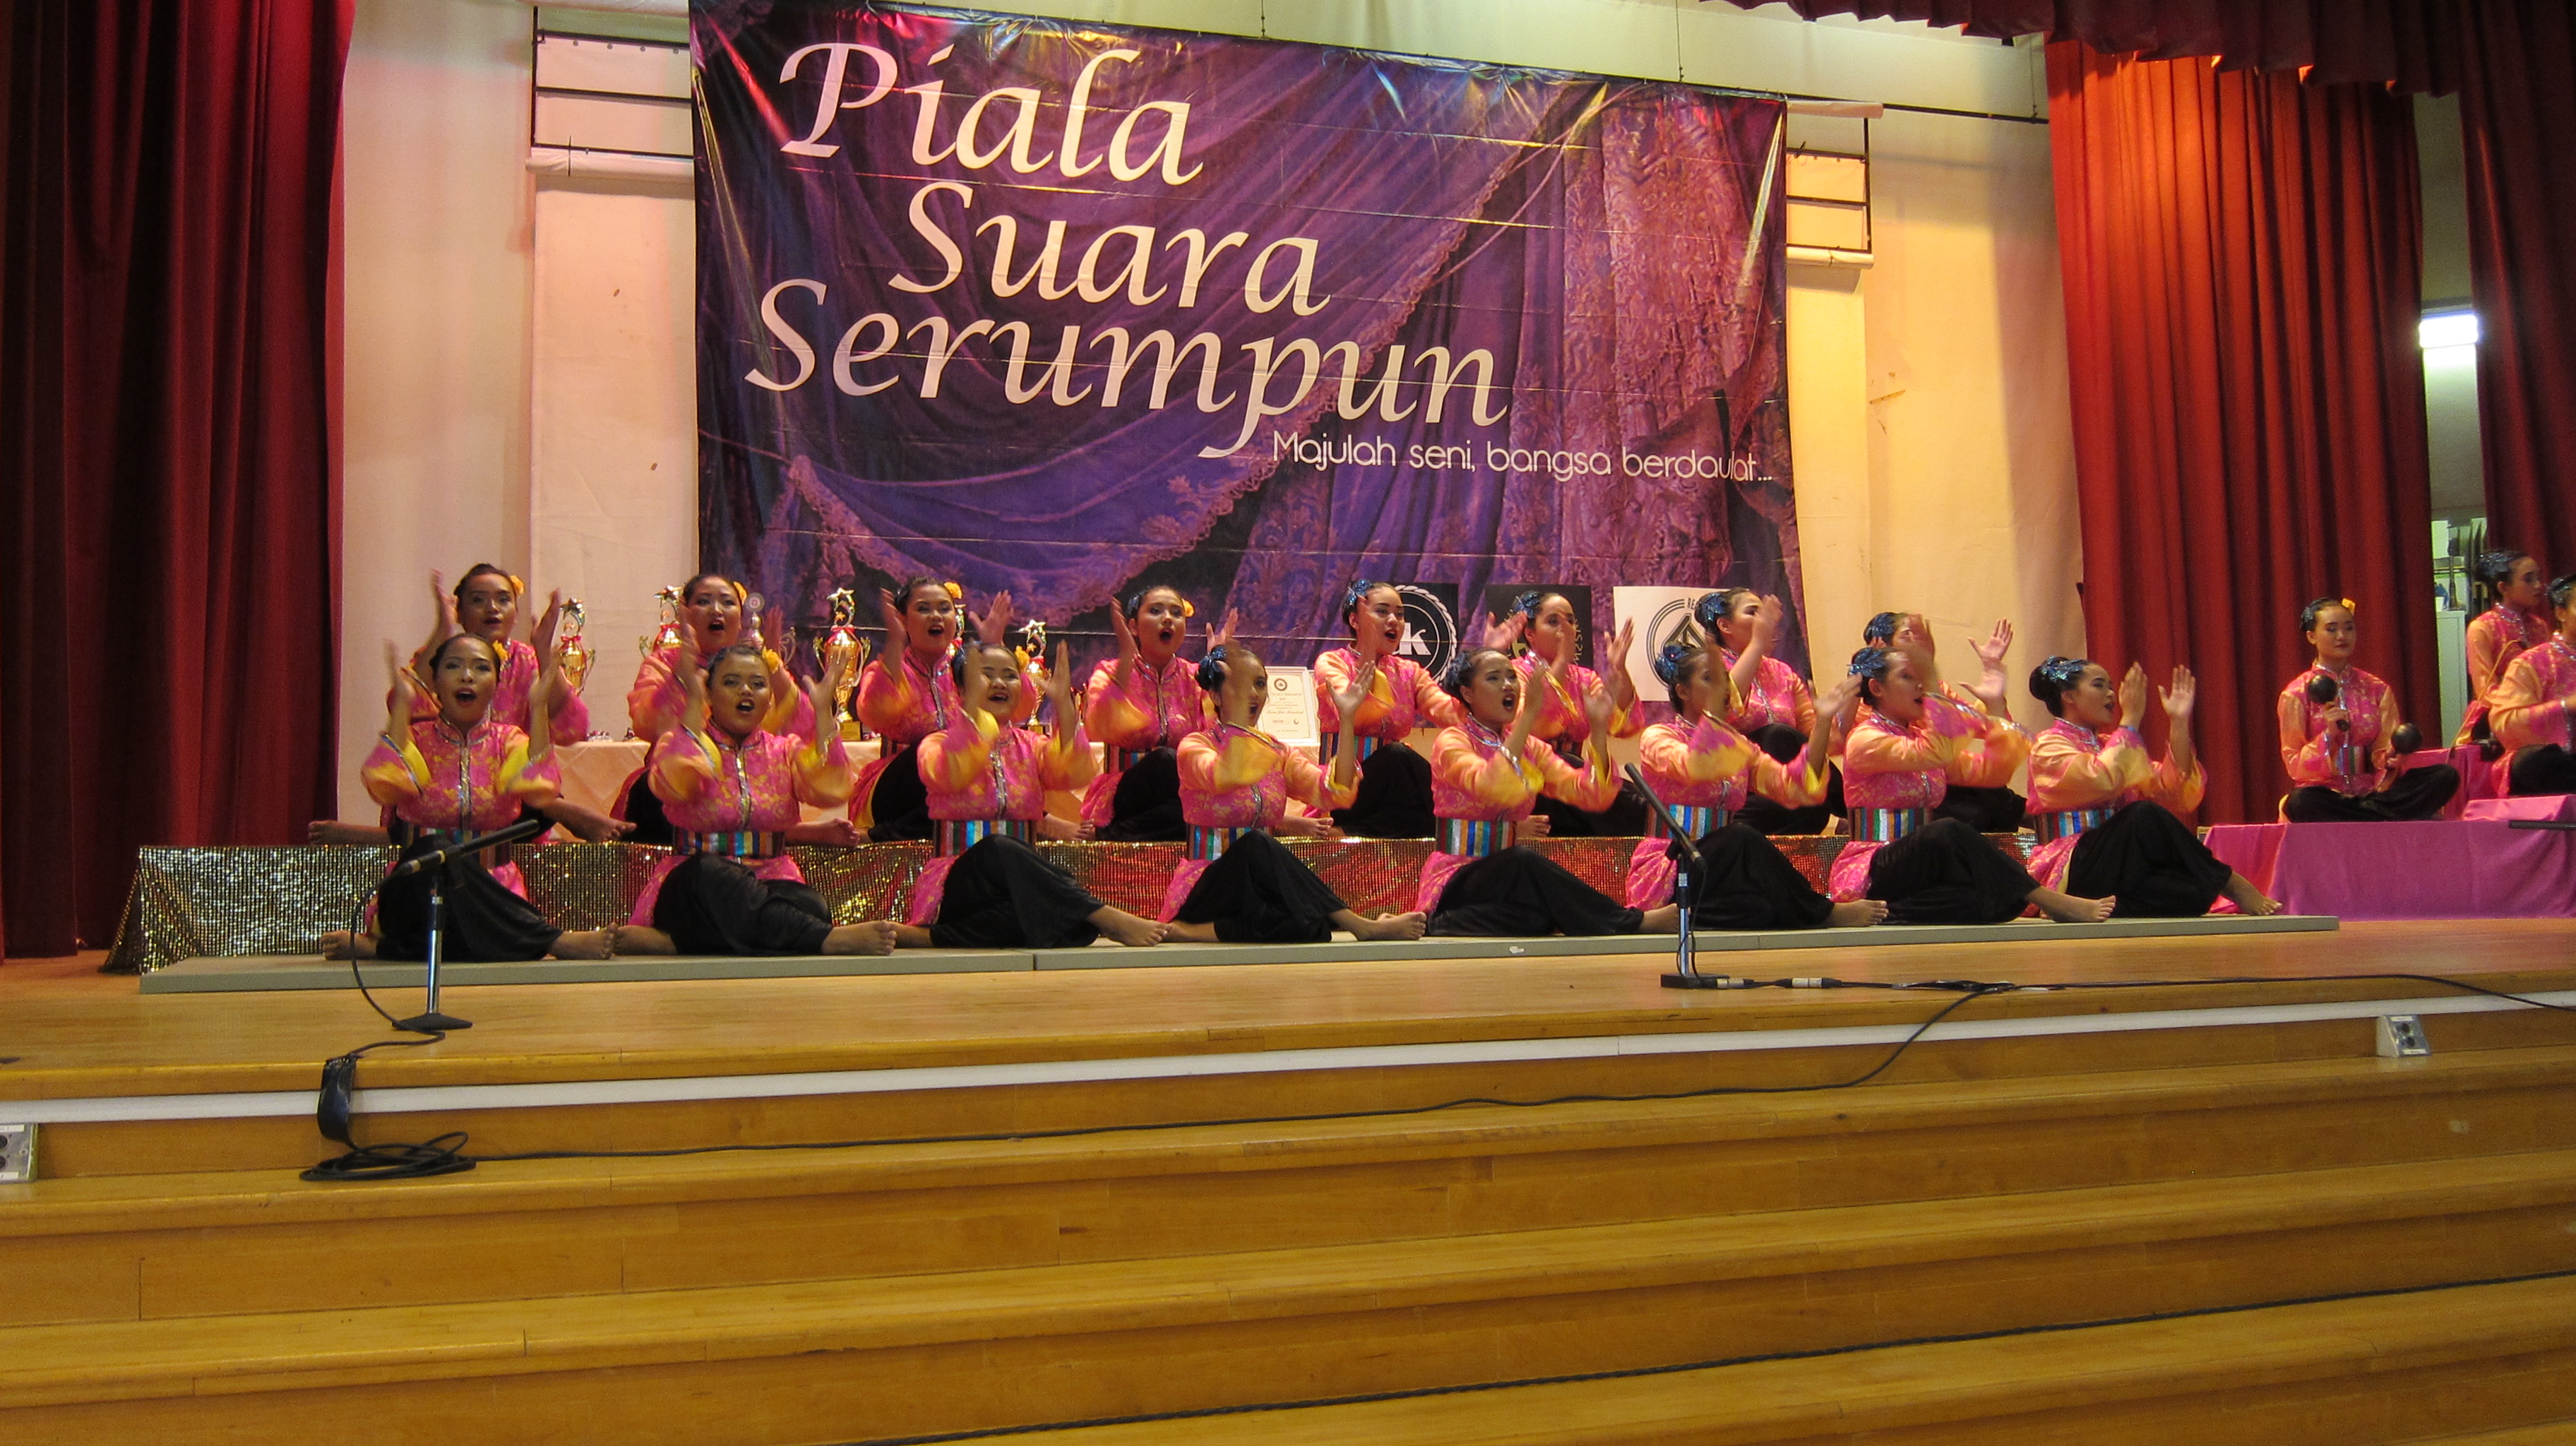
(439, 858)
(1688, 847)
(2324, 689)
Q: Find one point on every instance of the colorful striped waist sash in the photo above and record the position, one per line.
(1211, 843)
(737, 843)
(1476, 837)
(1122, 759)
(957, 835)
(1697, 820)
(404, 835)
(1367, 745)
(2068, 822)
(1886, 825)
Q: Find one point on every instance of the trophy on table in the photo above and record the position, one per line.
(840, 645)
(752, 607)
(668, 634)
(571, 648)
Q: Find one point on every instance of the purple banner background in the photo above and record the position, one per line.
(1612, 249)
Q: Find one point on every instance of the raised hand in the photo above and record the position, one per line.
(1598, 710)
(824, 693)
(1125, 631)
(1220, 635)
(1766, 621)
(693, 697)
(405, 687)
(995, 625)
(2133, 696)
(1837, 698)
(1615, 656)
(1347, 701)
(1059, 686)
(2179, 698)
(1503, 633)
(1997, 643)
(892, 612)
(546, 625)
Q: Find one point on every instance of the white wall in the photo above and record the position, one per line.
(1927, 394)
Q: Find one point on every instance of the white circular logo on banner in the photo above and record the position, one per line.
(1430, 633)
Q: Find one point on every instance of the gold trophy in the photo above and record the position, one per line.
(571, 649)
(668, 634)
(841, 646)
(1032, 655)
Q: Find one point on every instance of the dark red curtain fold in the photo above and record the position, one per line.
(2411, 44)
(2518, 118)
(2240, 254)
(169, 500)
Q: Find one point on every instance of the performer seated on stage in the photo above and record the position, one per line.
(1704, 770)
(905, 696)
(987, 780)
(2532, 703)
(1547, 631)
(1485, 774)
(450, 776)
(1394, 798)
(732, 789)
(2517, 617)
(1981, 793)
(485, 602)
(1896, 766)
(2337, 727)
(2105, 814)
(1240, 885)
(1773, 706)
(1139, 707)
(711, 617)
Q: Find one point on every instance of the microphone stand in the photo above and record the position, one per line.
(1686, 865)
(434, 863)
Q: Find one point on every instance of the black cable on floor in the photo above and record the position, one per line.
(1636, 1372)
(334, 1108)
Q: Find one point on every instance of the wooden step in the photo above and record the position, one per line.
(2544, 1433)
(132, 1247)
(2342, 1373)
(985, 1348)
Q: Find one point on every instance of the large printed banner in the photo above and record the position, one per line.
(1060, 308)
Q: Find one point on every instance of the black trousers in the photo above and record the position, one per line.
(644, 810)
(1514, 892)
(2418, 793)
(1747, 883)
(1258, 892)
(900, 806)
(1146, 806)
(1624, 818)
(1003, 894)
(1987, 810)
(1770, 816)
(2543, 768)
(1394, 799)
(1947, 872)
(2152, 860)
(484, 923)
(711, 904)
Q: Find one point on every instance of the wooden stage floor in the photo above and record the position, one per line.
(67, 1031)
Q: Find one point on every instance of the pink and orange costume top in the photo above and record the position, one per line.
(739, 798)
(1778, 696)
(986, 777)
(434, 777)
(1156, 707)
(657, 702)
(2531, 702)
(1481, 793)
(1895, 774)
(2490, 634)
(1562, 723)
(520, 670)
(2318, 754)
(902, 704)
(1235, 781)
(1401, 697)
(2078, 778)
(1703, 771)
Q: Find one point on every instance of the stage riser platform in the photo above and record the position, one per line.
(533, 1229)
(79, 1149)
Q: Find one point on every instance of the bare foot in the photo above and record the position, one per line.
(1392, 926)
(340, 944)
(1177, 933)
(834, 832)
(2068, 909)
(1126, 928)
(875, 936)
(1664, 920)
(1859, 913)
(1064, 830)
(636, 939)
(332, 831)
(2249, 899)
(583, 944)
(587, 823)
(912, 936)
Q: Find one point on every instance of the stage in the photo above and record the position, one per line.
(1016, 1198)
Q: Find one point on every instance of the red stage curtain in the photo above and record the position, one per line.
(2412, 44)
(2240, 255)
(2518, 110)
(170, 513)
